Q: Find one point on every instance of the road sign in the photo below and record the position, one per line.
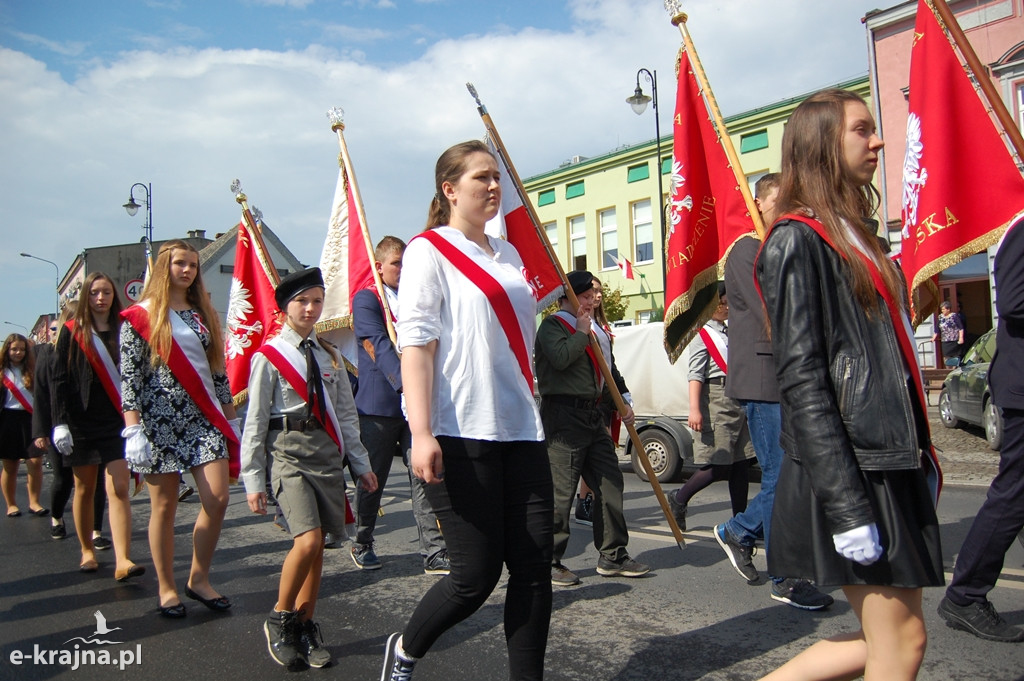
(133, 289)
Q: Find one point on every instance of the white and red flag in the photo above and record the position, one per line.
(626, 266)
(708, 214)
(252, 313)
(961, 187)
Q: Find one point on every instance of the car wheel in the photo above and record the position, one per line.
(946, 410)
(992, 421)
(663, 454)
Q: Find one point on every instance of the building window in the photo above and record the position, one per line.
(574, 189)
(578, 236)
(1020, 106)
(546, 197)
(754, 141)
(643, 232)
(609, 239)
(666, 165)
(551, 229)
(637, 173)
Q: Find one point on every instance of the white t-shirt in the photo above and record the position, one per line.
(479, 390)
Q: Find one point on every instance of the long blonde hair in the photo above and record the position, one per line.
(158, 294)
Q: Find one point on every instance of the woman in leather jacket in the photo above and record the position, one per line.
(853, 506)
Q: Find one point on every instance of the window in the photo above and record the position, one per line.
(574, 189)
(1020, 106)
(578, 236)
(666, 165)
(609, 239)
(754, 141)
(643, 232)
(551, 229)
(638, 172)
(546, 197)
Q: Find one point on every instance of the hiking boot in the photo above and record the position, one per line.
(364, 557)
(739, 555)
(438, 564)
(678, 511)
(800, 594)
(563, 576)
(283, 631)
(396, 667)
(585, 510)
(624, 567)
(58, 531)
(980, 619)
(310, 647)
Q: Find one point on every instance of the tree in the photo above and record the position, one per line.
(614, 305)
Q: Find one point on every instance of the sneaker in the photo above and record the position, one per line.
(58, 531)
(800, 594)
(184, 491)
(364, 557)
(332, 541)
(980, 619)
(739, 555)
(678, 511)
(271, 499)
(624, 567)
(438, 564)
(563, 576)
(101, 543)
(283, 631)
(585, 510)
(310, 646)
(396, 667)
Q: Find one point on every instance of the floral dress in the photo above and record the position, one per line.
(181, 435)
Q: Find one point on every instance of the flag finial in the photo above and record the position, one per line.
(236, 189)
(675, 10)
(337, 117)
(479, 105)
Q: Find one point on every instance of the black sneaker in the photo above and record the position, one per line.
(624, 567)
(364, 557)
(585, 510)
(438, 564)
(58, 531)
(739, 555)
(283, 631)
(310, 646)
(563, 576)
(800, 594)
(396, 667)
(271, 500)
(678, 511)
(101, 543)
(980, 619)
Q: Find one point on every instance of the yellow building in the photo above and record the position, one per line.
(596, 210)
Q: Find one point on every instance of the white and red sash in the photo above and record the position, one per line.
(12, 383)
(495, 294)
(188, 363)
(570, 323)
(103, 366)
(715, 343)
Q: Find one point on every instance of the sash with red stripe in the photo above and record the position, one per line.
(11, 383)
(899, 325)
(496, 296)
(188, 363)
(103, 366)
(590, 348)
(711, 343)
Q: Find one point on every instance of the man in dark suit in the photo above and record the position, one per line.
(382, 425)
(966, 605)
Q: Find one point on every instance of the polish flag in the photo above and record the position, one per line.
(626, 266)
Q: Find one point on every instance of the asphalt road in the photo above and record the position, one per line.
(691, 618)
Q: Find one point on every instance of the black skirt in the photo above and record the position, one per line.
(16, 435)
(908, 530)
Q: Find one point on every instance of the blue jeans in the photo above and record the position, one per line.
(764, 419)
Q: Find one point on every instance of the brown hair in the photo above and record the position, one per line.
(84, 323)
(449, 167)
(766, 184)
(815, 179)
(387, 246)
(28, 368)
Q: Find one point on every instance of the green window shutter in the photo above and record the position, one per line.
(637, 173)
(574, 189)
(666, 165)
(546, 197)
(754, 141)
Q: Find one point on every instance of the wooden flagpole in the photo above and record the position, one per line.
(620, 405)
(257, 233)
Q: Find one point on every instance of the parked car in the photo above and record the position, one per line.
(966, 395)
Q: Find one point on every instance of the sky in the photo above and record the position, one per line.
(188, 95)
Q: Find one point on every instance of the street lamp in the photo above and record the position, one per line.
(639, 104)
(56, 280)
(20, 326)
(132, 208)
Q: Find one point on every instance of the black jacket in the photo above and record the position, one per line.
(1006, 375)
(846, 403)
(42, 422)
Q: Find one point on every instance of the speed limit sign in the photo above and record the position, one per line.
(133, 289)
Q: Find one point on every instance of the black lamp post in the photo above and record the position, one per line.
(132, 208)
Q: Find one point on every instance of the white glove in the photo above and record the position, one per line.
(628, 399)
(859, 544)
(62, 441)
(137, 449)
(236, 427)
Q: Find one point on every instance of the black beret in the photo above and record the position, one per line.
(581, 281)
(295, 283)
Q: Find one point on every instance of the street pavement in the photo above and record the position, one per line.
(691, 618)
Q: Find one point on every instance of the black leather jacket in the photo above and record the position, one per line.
(845, 399)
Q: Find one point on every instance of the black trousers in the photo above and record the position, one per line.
(998, 521)
(495, 508)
